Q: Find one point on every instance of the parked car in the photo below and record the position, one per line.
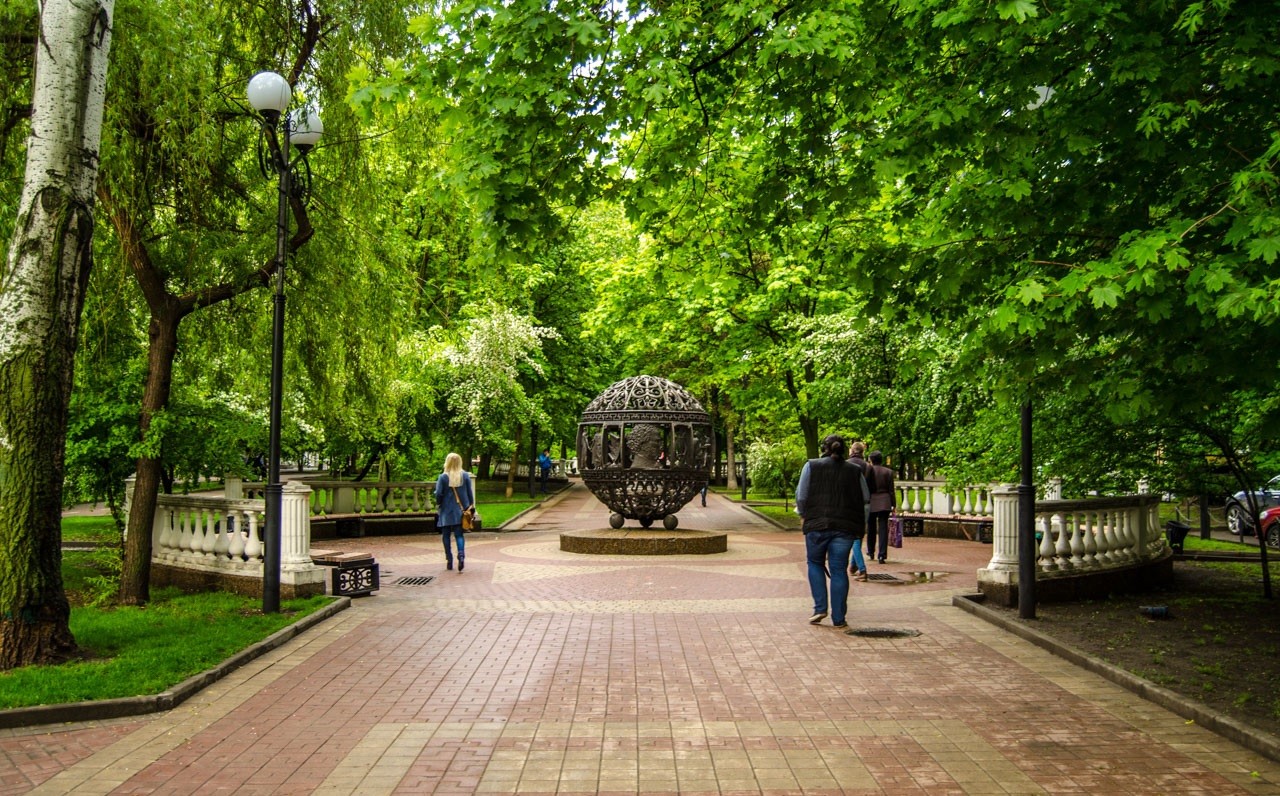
(1238, 517)
(1271, 526)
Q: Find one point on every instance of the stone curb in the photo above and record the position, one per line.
(171, 698)
(551, 499)
(764, 517)
(1251, 738)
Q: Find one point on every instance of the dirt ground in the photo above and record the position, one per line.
(1220, 642)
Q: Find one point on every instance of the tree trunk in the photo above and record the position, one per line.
(731, 476)
(41, 297)
(485, 458)
(809, 427)
(135, 577)
(515, 463)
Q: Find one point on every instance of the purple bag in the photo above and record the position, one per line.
(895, 531)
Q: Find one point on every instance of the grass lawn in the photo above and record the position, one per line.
(140, 651)
(90, 529)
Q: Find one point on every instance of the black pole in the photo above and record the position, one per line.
(275, 490)
(533, 456)
(1026, 525)
(743, 457)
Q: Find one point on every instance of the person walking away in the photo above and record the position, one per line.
(454, 494)
(884, 500)
(833, 501)
(544, 464)
(857, 450)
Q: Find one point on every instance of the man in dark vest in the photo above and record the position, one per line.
(832, 499)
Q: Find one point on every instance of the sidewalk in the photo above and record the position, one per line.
(537, 671)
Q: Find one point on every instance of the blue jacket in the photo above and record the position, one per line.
(450, 513)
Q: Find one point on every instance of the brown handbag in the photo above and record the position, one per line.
(468, 514)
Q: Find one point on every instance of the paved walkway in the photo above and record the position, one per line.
(539, 672)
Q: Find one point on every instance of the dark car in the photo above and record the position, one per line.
(1271, 526)
(1238, 518)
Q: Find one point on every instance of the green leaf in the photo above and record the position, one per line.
(1018, 10)
(1104, 296)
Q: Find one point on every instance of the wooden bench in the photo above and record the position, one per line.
(354, 574)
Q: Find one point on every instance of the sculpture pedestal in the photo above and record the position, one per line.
(636, 542)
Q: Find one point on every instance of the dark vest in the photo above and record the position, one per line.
(834, 500)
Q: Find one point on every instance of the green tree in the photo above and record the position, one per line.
(41, 296)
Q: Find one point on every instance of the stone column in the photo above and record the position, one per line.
(999, 577)
(298, 575)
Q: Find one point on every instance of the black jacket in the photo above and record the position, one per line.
(833, 497)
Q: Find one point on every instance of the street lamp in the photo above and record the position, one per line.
(270, 94)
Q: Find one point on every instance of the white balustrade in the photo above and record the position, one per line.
(1075, 536)
(221, 534)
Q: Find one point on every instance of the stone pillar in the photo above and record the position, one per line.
(998, 579)
(295, 525)
(233, 487)
(298, 575)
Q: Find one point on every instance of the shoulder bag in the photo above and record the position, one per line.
(468, 514)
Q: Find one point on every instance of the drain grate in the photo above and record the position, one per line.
(880, 576)
(422, 580)
(883, 632)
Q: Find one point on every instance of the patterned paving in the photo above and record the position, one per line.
(542, 672)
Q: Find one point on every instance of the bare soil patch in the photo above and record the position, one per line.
(1220, 642)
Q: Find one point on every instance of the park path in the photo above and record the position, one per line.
(537, 671)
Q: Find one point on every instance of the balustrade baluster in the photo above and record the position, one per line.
(1090, 540)
(185, 535)
(235, 541)
(1077, 542)
(222, 541)
(209, 534)
(1062, 547)
(1106, 541)
(253, 544)
(1046, 549)
(1128, 535)
(164, 539)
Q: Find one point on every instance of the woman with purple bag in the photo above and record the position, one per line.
(884, 499)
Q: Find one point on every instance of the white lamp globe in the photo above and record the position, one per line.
(269, 94)
(305, 128)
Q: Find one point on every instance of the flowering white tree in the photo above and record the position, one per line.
(41, 296)
(487, 389)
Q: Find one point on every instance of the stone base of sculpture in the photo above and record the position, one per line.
(643, 542)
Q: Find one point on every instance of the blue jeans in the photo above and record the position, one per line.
(828, 555)
(456, 530)
(859, 563)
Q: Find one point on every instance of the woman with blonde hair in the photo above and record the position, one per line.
(454, 495)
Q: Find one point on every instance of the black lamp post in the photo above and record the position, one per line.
(1026, 524)
(270, 94)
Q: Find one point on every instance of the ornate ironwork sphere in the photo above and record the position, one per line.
(644, 447)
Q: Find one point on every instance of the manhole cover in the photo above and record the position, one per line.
(882, 632)
(416, 581)
(880, 576)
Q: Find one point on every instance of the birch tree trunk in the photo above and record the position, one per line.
(41, 296)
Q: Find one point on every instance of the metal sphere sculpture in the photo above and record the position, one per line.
(644, 446)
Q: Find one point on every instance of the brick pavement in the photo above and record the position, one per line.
(539, 672)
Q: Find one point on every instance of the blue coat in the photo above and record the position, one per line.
(450, 513)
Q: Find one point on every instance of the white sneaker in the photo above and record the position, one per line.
(817, 618)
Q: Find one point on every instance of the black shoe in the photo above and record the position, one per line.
(841, 626)
(449, 565)
(882, 561)
(461, 564)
